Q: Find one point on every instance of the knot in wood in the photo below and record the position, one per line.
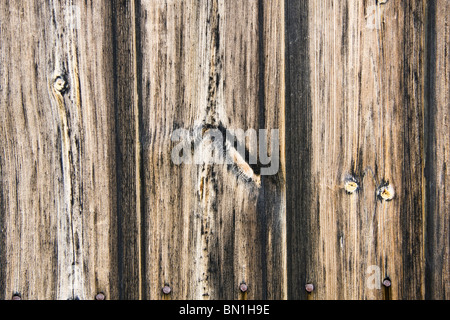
(351, 185)
(60, 84)
(386, 192)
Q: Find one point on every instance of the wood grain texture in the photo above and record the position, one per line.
(217, 64)
(127, 149)
(438, 152)
(301, 226)
(357, 89)
(58, 176)
(91, 95)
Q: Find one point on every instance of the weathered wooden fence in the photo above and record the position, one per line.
(91, 201)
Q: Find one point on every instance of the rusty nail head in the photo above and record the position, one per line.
(100, 296)
(309, 287)
(387, 283)
(16, 297)
(243, 287)
(166, 290)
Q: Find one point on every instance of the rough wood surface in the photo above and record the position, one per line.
(217, 64)
(91, 94)
(356, 77)
(437, 168)
(58, 145)
(127, 149)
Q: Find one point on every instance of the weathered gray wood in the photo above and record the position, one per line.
(438, 152)
(91, 201)
(220, 64)
(356, 87)
(58, 146)
(302, 228)
(128, 178)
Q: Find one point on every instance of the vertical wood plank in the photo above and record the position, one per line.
(302, 227)
(126, 118)
(363, 93)
(437, 158)
(272, 106)
(28, 204)
(91, 96)
(218, 64)
(58, 144)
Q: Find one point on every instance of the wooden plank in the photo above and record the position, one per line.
(126, 118)
(302, 228)
(272, 112)
(91, 200)
(218, 64)
(20, 199)
(438, 152)
(58, 137)
(357, 91)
